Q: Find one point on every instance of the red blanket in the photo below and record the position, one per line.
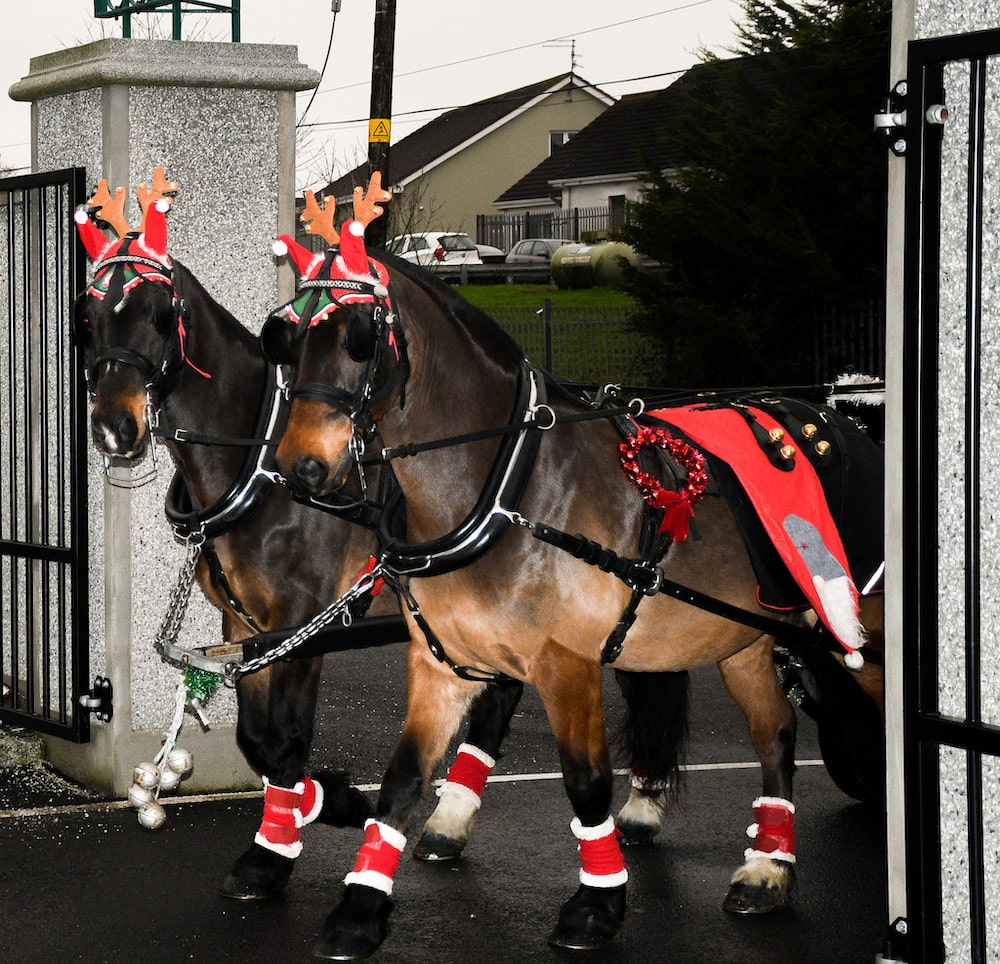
(792, 508)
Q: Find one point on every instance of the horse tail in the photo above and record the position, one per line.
(850, 727)
(655, 728)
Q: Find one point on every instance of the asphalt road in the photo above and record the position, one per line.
(82, 882)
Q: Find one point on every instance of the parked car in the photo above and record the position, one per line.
(434, 248)
(490, 255)
(535, 250)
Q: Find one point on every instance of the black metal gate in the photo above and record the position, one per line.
(44, 613)
(950, 621)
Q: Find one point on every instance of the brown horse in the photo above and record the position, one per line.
(159, 350)
(497, 589)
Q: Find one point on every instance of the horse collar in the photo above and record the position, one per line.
(246, 491)
(495, 507)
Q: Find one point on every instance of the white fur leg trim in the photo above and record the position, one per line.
(591, 833)
(285, 850)
(389, 834)
(751, 854)
(775, 802)
(480, 755)
(604, 880)
(370, 878)
(460, 790)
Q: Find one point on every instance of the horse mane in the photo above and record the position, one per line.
(481, 327)
(197, 295)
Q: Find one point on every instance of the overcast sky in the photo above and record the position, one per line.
(447, 53)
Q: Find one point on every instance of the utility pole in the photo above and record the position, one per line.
(380, 113)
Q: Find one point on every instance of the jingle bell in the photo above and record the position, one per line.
(787, 452)
(139, 796)
(180, 760)
(169, 780)
(147, 775)
(809, 430)
(822, 448)
(152, 815)
(776, 435)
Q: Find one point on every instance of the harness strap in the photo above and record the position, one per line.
(651, 580)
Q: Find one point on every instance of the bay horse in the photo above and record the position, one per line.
(160, 351)
(496, 466)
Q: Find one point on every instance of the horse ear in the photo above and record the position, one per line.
(276, 341)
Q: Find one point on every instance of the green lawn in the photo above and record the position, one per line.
(489, 297)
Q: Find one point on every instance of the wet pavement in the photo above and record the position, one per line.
(81, 881)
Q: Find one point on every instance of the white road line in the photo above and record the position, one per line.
(109, 806)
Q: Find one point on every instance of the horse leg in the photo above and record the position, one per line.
(764, 881)
(654, 732)
(274, 731)
(570, 688)
(437, 701)
(449, 827)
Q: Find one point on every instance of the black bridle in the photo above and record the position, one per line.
(159, 377)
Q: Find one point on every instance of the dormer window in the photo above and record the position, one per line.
(558, 138)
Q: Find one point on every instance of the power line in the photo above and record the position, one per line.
(538, 43)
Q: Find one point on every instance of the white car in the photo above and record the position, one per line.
(435, 248)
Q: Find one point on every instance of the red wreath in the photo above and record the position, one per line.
(678, 507)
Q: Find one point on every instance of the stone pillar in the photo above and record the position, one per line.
(920, 20)
(221, 119)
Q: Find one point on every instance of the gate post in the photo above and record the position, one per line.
(220, 118)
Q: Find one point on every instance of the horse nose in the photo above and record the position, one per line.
(116, 435)
(310, 472)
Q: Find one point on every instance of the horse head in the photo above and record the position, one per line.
(339, 336)
(129, 322)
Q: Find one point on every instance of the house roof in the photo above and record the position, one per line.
(626, 139)
(449, 133)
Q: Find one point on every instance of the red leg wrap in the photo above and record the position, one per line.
(281, 825)
(378, 857)
(600, 854)
(471, 768)
(774, 832)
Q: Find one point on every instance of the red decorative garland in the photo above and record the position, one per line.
(678, 507)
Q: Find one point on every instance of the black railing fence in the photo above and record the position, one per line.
(573, 224)
(601, 345)
(44, 614)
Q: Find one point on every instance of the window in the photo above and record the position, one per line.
(558, 138)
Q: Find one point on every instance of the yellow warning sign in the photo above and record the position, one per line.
(378, 130)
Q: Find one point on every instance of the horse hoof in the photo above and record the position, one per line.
(259, 874)
(590, 918)
(356, 927)
(637, 834)
(438, 846)
(343, 805)
(761, 897)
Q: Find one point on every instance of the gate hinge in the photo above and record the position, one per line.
(98, 700)
(890, 121)
(894, 947)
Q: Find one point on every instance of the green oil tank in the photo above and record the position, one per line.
(589, 265)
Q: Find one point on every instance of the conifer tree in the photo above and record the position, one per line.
(778, 210)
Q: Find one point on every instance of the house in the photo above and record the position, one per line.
(451, 169)
(584, 187)
(582, 190)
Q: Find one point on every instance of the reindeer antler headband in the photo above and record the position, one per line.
(102, 207)
(318, 220)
